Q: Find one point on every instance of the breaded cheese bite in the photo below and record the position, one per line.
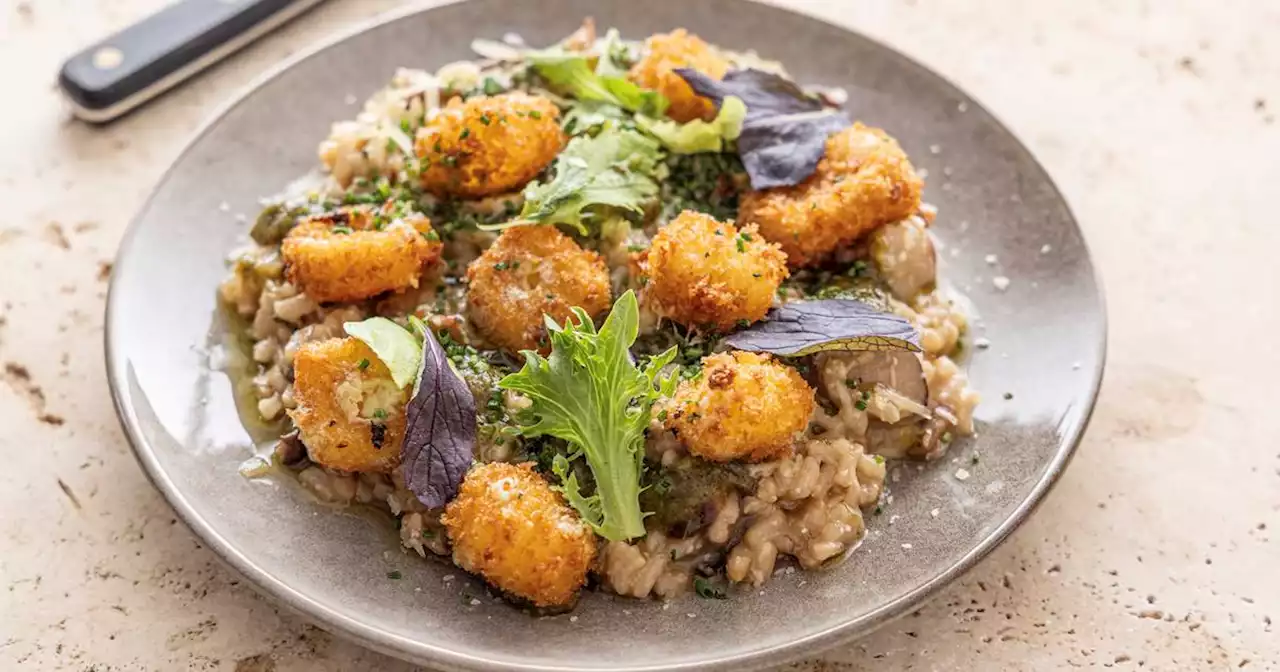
(864, 180)
(530, 271)
(350, 413)
(510, 527)
(664, 53)
(744, 407)
(488, 145)
(356, 253)
(707, 274)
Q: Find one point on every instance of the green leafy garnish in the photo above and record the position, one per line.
(573, 75)
(586, 116)
(708, 590)
(698, 136)
(590, 393)
(393, 344)
(614, 169)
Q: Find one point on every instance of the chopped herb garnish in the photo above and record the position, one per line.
(364, 364)
(431, 235)
(466, 133)
(342, 229)
(405, 126)
(860, 405)
(485, 119)
(491, 87)
(534, 114)
(501, 266)
(380, 414)
(707, 590)
(744, 323)
(879, 510)
(395, 575)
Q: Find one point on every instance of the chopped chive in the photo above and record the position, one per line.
(534, 114)
(364, 364)
(706, 590)
(342, 229)
(466, 132)
(395, 575)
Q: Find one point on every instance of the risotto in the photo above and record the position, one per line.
(645, 317)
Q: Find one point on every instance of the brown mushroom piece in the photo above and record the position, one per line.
(905, 255)
(894, 375)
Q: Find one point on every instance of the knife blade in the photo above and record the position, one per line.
(122, 72)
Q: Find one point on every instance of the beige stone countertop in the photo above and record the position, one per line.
(1159, 550)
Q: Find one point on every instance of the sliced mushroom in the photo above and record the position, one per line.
(893, 377)
(905, 255)
(291, 452)
(897, 370)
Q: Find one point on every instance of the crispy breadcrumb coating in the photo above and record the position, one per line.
(706, 274)
(488, 145)
(679, 49)
(744, 406)
(510, 527)
(356, 253)
(350, 413)
(527, 272)
(863, 181)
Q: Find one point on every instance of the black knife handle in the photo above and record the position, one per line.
(146, 59)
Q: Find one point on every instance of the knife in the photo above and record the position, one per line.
(115, 76)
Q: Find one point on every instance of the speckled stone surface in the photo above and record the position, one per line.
(1157, 550)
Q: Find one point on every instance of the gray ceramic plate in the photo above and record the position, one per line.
(1047, 332)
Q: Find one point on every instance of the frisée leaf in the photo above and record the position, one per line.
(785, 131)
(804, 327)
(590, 392)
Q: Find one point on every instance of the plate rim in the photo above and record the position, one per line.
(405, 648)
